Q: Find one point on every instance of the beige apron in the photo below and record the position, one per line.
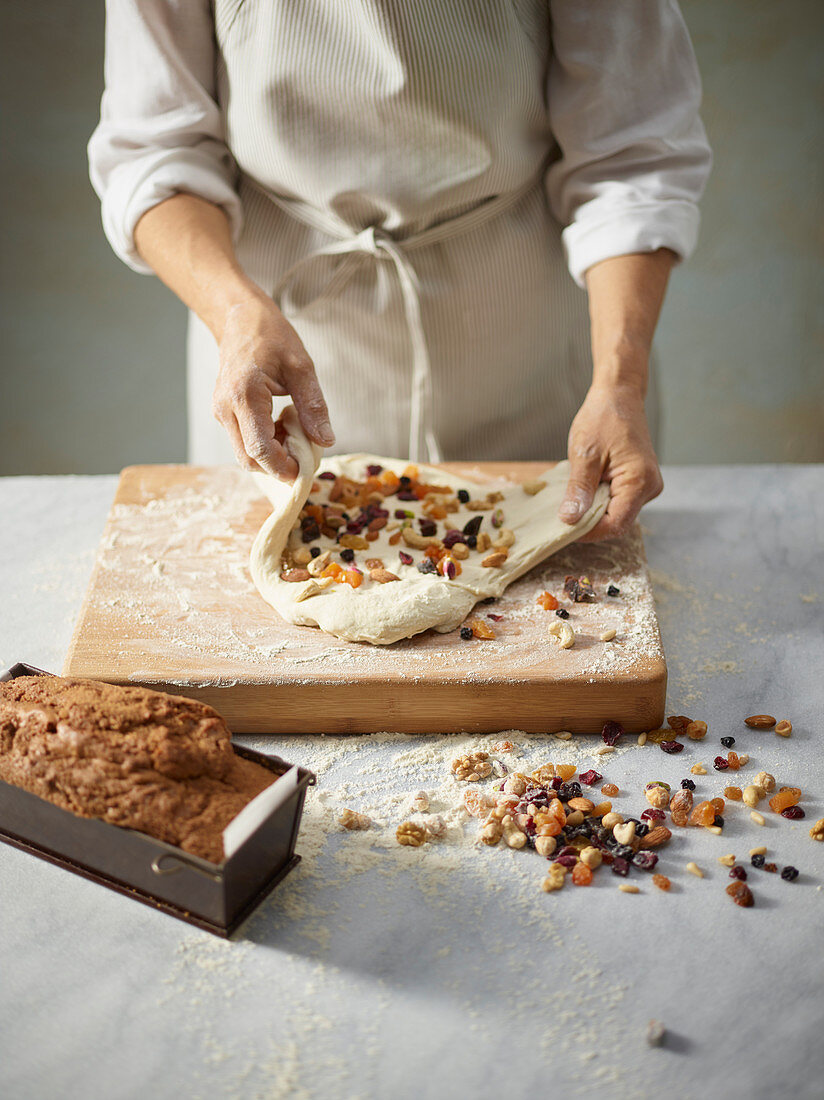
(392, 160)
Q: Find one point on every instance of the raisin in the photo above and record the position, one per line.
(347, 554)
(784, 799)
(738, 872)
(688, 784)
(733, 761)
(613, 591)
(314, 551)
(789, 874)
(757, 860)
(452, 538)
(641, 829)
(733, 794)
(793, 813)
(569, 790)
(471, 541)
(581, 874)
(718, 821)
(466, 633)
(672, 746)
(463, 496)
(609, 789)
(740, 894)
(703, 814)
(620, 866)
(662, 882)
(728, 742)
(645, 860)
(611, 731)
(472, 526)
(562, 613)
(771, 867)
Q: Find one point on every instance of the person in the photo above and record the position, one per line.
(375, 207)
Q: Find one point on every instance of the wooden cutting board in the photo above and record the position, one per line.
(171, 605)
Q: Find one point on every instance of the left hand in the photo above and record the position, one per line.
(609, 441)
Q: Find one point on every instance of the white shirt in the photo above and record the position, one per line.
(341, 136)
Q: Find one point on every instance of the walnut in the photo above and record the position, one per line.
(411, 834)
(817, 831)
(472, 766)
(349, 819)
(435, 827)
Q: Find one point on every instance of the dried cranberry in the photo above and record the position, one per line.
(466, 633)
(567, 861)
(793, 813)
(620, 866)
(728, 742)
(720, 764)
(652, 814)
(611, 732)
(672, 746)
(645, 860)
(591, 777)
(562, 613)
(613, 591)
(789, 874)
(374, 470)
(463, 496)
(529, 827)
(738, 872)
(687, 785)
(327, 475)
(567, 850)
(493, 617)
(406, 494)
(405, 558)
(347, 554)
(757, 860)
(554, 784)
(473, 526)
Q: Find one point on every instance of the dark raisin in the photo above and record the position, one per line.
(623, 851)
(687, 785)
(427, 566)
(401, 513)
(406, 494)
(641, 829)
(771, 867)
(645, 860)
(463, 496)
(473, 526)
(738, 872)
(718, 821)
(489, 599)
(405, 481)
(728, 742)
(562, 613)
(793, 813)
(789, 874)
(428, 527)
(591, 777)
(757, 860)
(672, 746)
(347, 554)
(451, 538)
(611, 731)
(374, 470)
(620, 866)
(720, 764)
(466, 633)
(613, 591)
(314, 551)
(569, 790)
(309, 531)
(405, 558)
(471, 541)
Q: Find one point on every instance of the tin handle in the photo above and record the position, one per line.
(178, 863)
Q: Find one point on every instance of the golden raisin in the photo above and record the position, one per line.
(662, 882)
(566, 771)
(718, 804)
(703, 814)
(480, 629)
(733, 794)
(740, 894)
(733, 761)
(581, 874)
(609, 789)
(784, 799)
(547, 601)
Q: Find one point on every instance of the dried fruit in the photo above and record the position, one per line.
(771, 867)
(581, 874)
(737, 871)
(728, 742)
(760, 721)
(466, 633)
(718, 803)
(613, 591)
(565, 771)
(678, 721)
(733, 761)
(609, 789)
(579, 589)
(547, 601)
(653, 815)
(645, 860)
(662, 882)
(789, 874)
(688, 784)
(740, 894)
(733, 794)
(720, 764)
(680, 807)
(757, 860)
(562, 613)
(620, 866)
(503, 746)
(591, 777)
(696, 731)
(672, 746)
(702, 814)
(476, 802)
(411, 834)
(793, 813)
(611, 732)
(480, 629)
(784, 799)
(784, 728)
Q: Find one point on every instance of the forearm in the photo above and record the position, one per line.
(625, 298)
(187, 242)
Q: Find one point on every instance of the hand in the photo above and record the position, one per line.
(261, 357)
(609, 441)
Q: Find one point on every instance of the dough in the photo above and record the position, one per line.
(382, 613)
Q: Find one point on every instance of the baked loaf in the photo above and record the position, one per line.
(161, 764)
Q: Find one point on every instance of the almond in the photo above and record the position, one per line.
(494, 561)
(382, 576)
(656, 837)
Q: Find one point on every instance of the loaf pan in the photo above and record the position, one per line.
(217, 897)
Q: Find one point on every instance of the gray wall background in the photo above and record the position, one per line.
(91, 355)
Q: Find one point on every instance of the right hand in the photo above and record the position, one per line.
(261, 357)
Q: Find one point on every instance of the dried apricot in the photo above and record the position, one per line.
(784, 799)
(703, 814)
(581, 874)
(352, 577)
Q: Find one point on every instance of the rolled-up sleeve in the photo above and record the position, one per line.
(160, 130)
(623, 98)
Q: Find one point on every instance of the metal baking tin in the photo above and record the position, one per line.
(217, 897)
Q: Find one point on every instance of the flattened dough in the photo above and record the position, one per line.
(385, 613)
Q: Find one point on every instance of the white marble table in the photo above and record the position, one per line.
(375, 971)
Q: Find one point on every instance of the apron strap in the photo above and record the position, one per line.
(377, 243)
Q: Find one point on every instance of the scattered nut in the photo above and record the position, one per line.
(611, 819)
(492, 832)
(817, 831)
(591, 857)
(494, 561)
(546, 845)
(765, 781)
(656, 837)
(316, 565)
(607, 635)
(642, 738)
(382, 576)
(515, 784)
(302, 556)
(503, 746)
(757, 817)
(694, 869)
(349, 819)
(624, 832)
(411, 834)
(628, 888)
(698, 769)
(727, 861)
(564, 735)
(659, 797)
(605, 750)
(743, 758)
(504, 540)
(420, 802)
(784, 729)
(761, 850)
(655, 1033)
(533, 486)
(556, 873)
(435, 827)
(513, 836)
(296, 576)
(696, 731)
(472, 766)
(561, 630)
(760, 721)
